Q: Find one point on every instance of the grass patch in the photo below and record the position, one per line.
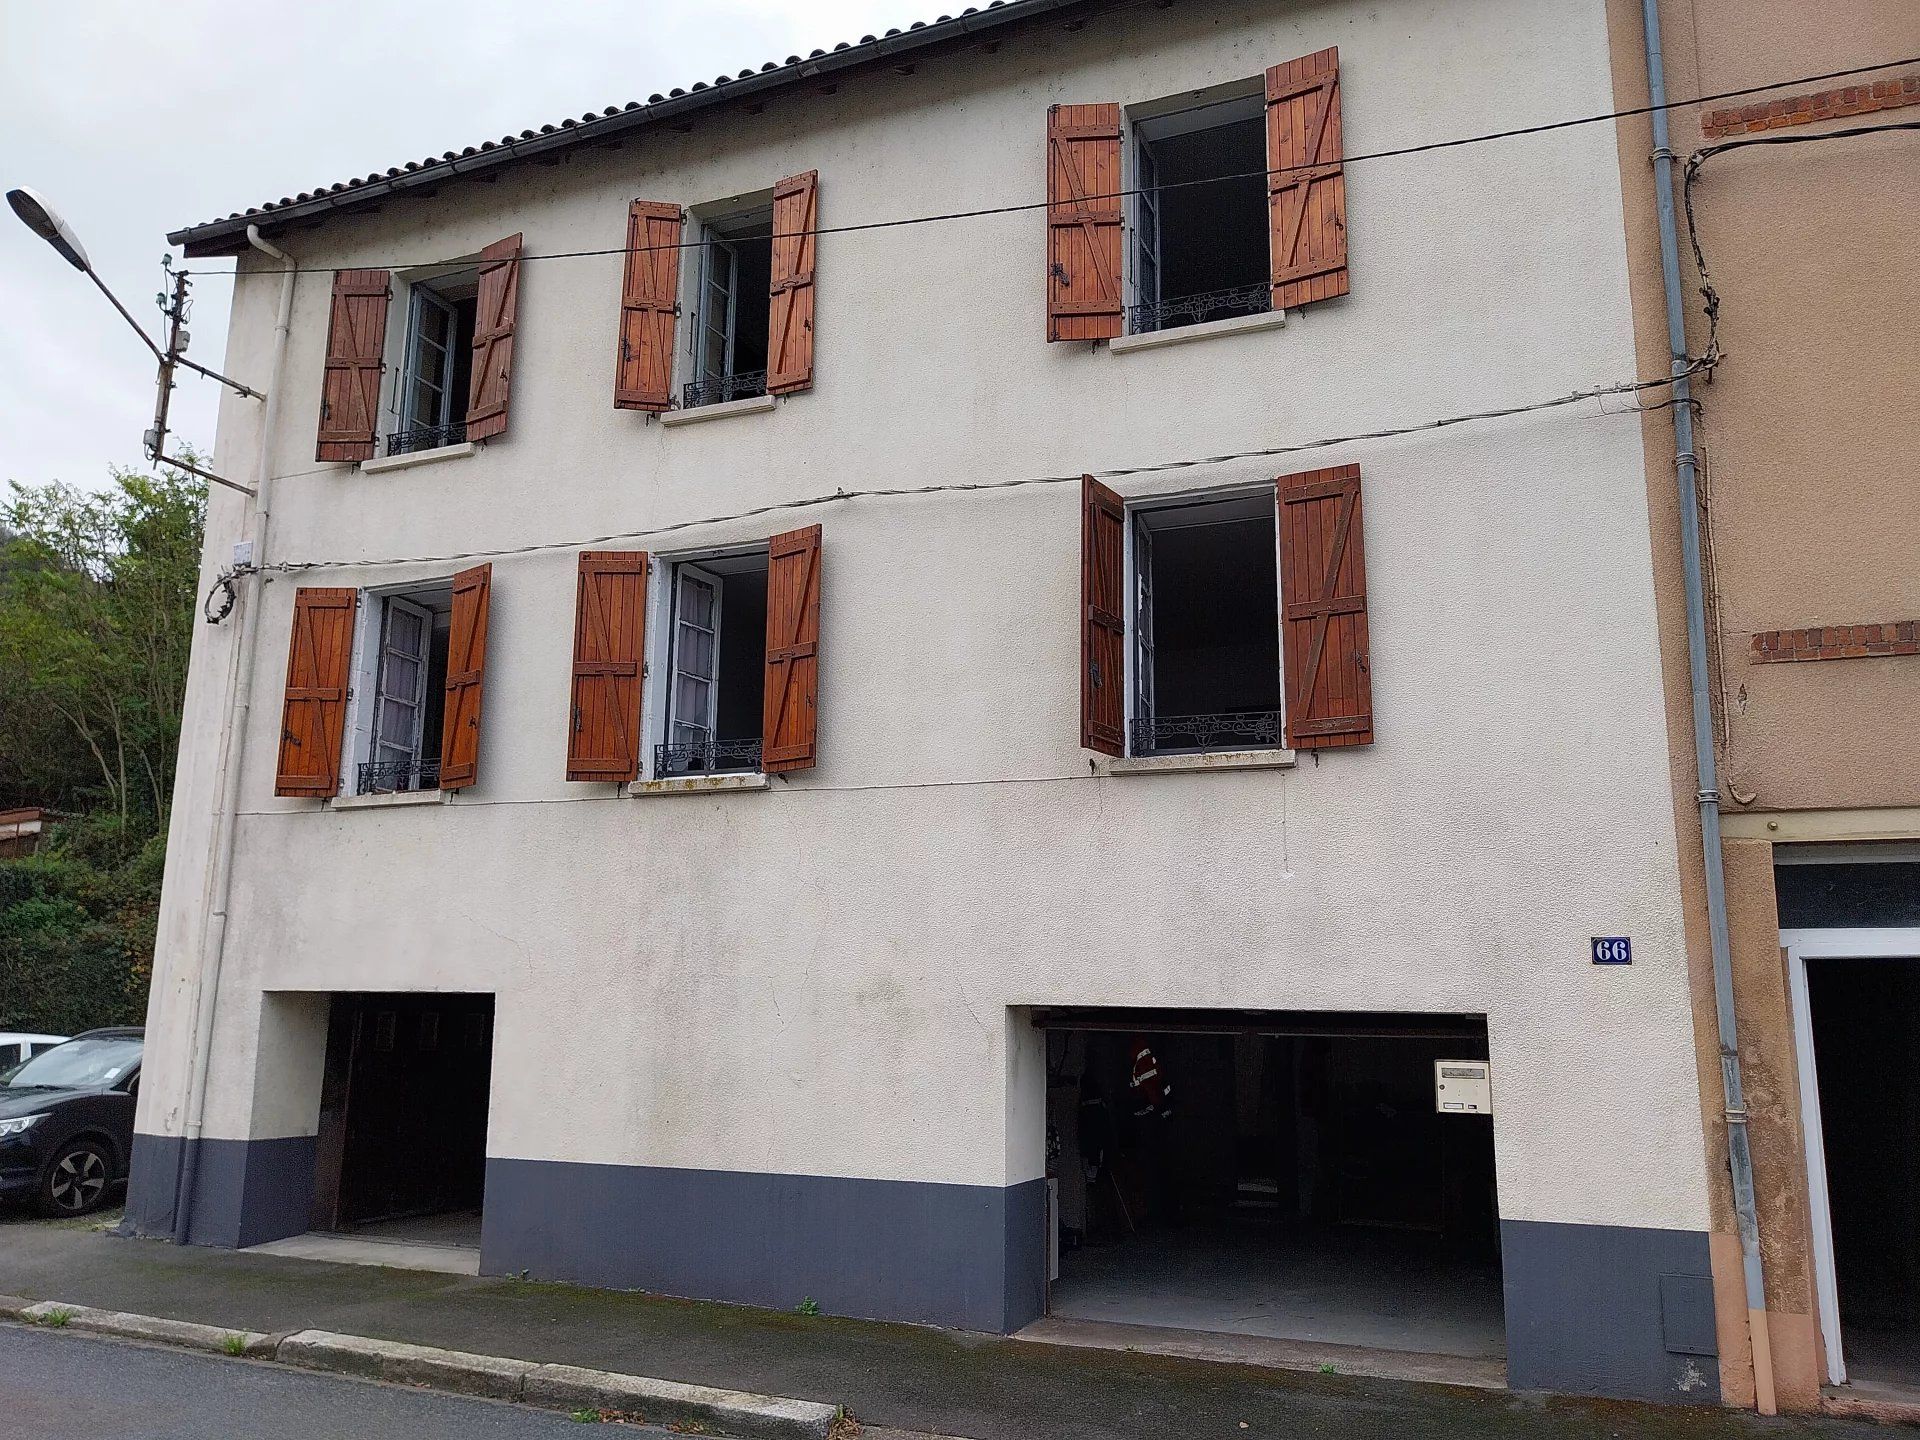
(808, 1306)
(235, 1344)
(56, 1319)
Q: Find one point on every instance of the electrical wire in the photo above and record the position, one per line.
(1628, 387)
(1710, 297)
(1425, 147)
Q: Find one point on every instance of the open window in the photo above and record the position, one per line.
(728, 336)
(434, 372)
(1204, 626)
(1199, 247)
(400, 690)
(711, 664)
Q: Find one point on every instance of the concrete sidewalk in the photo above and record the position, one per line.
(894, 1376)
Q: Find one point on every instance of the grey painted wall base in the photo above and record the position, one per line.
(1609, 1310)
(967, 1256)
(246, 1192)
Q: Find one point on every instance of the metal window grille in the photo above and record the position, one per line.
(393, 777)
(1172, 734)
(708, 757)
(426, 437)
(717, 388)
(1194, 309)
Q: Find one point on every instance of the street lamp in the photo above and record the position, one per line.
(38, 217)
(41, 218)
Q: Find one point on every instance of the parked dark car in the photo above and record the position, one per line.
(66, 1122)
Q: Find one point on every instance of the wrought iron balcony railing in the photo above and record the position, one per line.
(1193, 309)
(1171, 734)
(723, 387)
(426, 437)
(393, 777)
(714, 757)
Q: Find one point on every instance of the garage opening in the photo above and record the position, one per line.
(1297, 1177)
(1866, 1019)
(403, 1118)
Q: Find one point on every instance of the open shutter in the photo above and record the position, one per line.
(1323, 588)
(319, 659)
(609, 642)
(793, 651)
(649, 301)
(350, 391)
(492, 374)
(1083, 222)
(1306, 184)
(1103, 626)
(796, 216)
(466, 669)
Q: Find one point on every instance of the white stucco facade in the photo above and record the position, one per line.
(830, 976)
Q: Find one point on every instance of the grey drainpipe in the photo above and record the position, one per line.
(1739, 1151)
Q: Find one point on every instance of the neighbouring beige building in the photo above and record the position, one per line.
(1810, 516)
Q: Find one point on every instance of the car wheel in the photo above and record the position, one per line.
(77, 1180)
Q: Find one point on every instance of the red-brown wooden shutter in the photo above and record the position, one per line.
(498, 306)
(1083, 222)
(312, 721)
(1306, 185)
(609, 642)
(796, 216)
(1323, 588)
(1103, 626)
(466, 670)
(350, 391)
(649, 301)
(790, 717)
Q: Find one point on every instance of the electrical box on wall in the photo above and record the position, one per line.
(1462, 1087)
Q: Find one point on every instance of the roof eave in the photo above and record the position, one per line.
(227, 237)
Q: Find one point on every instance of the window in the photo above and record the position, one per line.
(436, 363)
(730, 308)
(1204, 632)
(1200, 219)
(404, 672)
(714, 666)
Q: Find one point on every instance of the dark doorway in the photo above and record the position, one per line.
(403, 1112)
(1282, 1176)
(1866, 1045)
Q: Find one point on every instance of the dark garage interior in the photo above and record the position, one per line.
(1285, 1176)
(1866, 1044)
(403, 1116)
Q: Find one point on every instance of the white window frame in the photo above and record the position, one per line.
(675, 723)
(421, 298)
(363, 687)
(397, 352)
(1137, 507)
(712, 249)
(1834, 943)
(1169, 115)
(379, 743)
(662, 629)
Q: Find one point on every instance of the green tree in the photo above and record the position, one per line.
(97, 604)
(97, 596)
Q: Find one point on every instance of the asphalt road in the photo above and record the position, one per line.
(57, 1386)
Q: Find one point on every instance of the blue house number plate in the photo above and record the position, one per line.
(1612, 950)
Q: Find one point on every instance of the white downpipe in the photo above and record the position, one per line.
(233, 750)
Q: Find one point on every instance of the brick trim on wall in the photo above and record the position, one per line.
(1836, 104)
(1838, 642)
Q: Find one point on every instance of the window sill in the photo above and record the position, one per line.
(699, 784)
(1203, 760)
(385, 801)
(385, 463)
(1205, 330)
(719, 410)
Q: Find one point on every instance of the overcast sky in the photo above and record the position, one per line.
(135, 117)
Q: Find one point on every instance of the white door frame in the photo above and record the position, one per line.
(1865, 943)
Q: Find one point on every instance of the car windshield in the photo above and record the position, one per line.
(89, 1061)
